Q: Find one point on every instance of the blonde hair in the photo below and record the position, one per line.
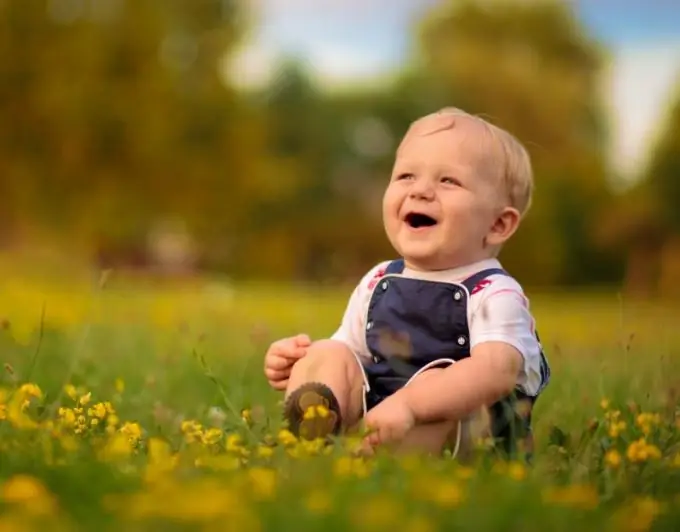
(512, 162)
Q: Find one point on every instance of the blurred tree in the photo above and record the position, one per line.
(644, 224)
(663, 178)
(118, 114)
(531, 68)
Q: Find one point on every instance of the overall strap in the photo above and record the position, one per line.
(475, 278)
(396, 266)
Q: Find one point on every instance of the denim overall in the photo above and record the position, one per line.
(411, 323)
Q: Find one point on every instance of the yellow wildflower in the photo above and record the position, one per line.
(98, 410)
(517, 471)
(117, 447)
(31, 390)
(639, 515)
(381, 512)
(264, 451)
(318, 502)
(612, 459)
(640, 451)
(234, 443)
(84, 399)
(133, 431)
(263, 481)
(576, 496)
(616, 428)
(287, 438)
(71, 391)
(29, 492)
(604, 404)
(646, 420)
(447, 494)
(211, 436)
(119, 385)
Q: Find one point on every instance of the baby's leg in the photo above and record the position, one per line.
(437, 436)
(331, 377)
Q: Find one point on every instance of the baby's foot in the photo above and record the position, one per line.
(312, 411)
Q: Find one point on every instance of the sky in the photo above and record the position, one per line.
(349, 41)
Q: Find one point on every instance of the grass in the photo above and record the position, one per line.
(144, 407)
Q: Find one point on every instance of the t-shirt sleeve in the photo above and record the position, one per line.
(352, 327)
(501, 314)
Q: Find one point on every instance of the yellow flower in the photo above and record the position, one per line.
(119, 385)
(117, 447)
(612, 459)
(604, 404)
(646, 420)
(29, 492)
(346, 466)
(71, 391)
(265, 452)
(447, 494)
(68, 416)
(287, 438)
(517, 471)
(98, 411)
(575, 496)
(638, 515)
(133, 431)
(318, 502)
(381, 512)
(616, 428)
(84, 399)
(263, 482)
(211, 436)
(31, 390)
(234, 443)
(640, 451)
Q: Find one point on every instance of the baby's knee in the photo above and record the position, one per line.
(326, 353)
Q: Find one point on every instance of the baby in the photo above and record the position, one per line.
(442, 333)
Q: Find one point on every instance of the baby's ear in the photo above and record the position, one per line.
(503, 227)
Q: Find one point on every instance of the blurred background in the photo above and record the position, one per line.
(253, 139)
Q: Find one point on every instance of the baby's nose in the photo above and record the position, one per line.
(422, 189)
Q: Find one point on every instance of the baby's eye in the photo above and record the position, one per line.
(450, 181)
(404, 176)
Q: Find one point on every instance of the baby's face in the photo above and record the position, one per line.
(443, 201)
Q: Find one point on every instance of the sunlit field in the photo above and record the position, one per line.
(128, 405)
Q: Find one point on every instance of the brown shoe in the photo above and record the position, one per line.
(312, 411)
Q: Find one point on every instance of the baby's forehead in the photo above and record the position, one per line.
(456, 135)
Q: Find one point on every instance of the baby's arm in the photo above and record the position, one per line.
(505, 355)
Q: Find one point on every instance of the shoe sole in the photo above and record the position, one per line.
(306, 397)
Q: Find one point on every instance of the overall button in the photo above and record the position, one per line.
(384, 285)
(457, 295)
(369, 325)
(462, 340)
(376, 359)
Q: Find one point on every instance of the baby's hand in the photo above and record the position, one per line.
(280, 358)
(389, 422)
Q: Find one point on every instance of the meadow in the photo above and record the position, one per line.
(127, 404)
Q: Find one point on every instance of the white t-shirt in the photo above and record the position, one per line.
(497, 310)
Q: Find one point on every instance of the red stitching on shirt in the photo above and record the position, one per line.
(481, 285)
(380, 273)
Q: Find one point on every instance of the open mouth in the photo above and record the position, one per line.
(418, 220)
